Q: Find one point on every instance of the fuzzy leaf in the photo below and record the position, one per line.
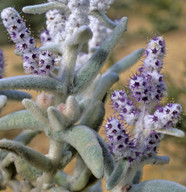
(71, 49)
(104, 85)
(61, 178)
(93, 66)
(20, 120)
(26, 170)
(24, 137)
(69, 154)
(116, 176)
(137, 178)
(81, 36)
(85, 142)
(3, 101)
(34, 82)
(108, 159)
(56, 119)
(157, 160)
(33, 157)
(171, 131)
(53, 47)
(15, 95)
(95, 188)
(94, 115)
(157, 186)
(80, 176)
(58, 189)
(126, 62)
(80, 182)
(71, 110)
(43, 8)
(35, 111)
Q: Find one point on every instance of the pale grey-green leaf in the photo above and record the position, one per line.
(157, 186)
(20, 120)
(85, 142)
(42, 8)
(15, 95)
(35, 111)
(33, 157)
(35, 82)
(171, 131)
(104, 85)
(120, 168)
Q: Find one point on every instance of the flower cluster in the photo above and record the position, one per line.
(2, 64)
(120, 143)
(122, 146)
(61, 23)
(125, 107)
(148, 85)
(26, 45)
(149, 118)
(55, 23)
(100, 5)
(79, 14)
(164, 117)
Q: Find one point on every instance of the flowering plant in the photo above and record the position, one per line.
(77, 41)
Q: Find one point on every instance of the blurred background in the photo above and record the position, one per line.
(146, 20)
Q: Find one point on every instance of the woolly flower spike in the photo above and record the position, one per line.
(2, 64)
(156, 48)
(151, 144)
(79, 14)
(56, 21)
(125, 107)
(38, 63)
(35, 61)
(119, 140)
(30, 63)
(18, 31)
(164, 117)
(46, 62)
(147, 86)
(100, 5)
